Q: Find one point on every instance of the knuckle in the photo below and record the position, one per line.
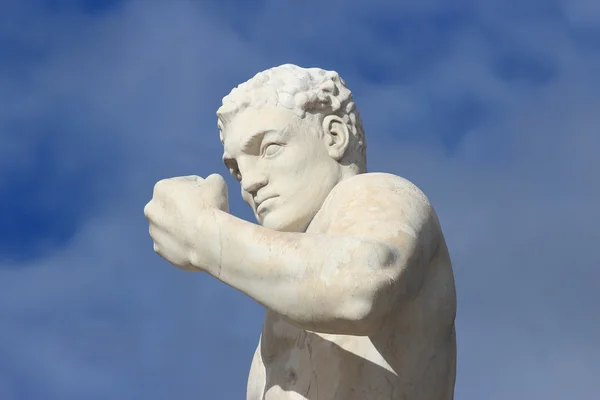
(217, 179)
(160, 185)
(147, 209)
(187, 179)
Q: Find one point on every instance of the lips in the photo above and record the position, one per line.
(260, 205)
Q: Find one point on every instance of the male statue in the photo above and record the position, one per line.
(352, 267)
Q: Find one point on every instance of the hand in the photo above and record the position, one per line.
(182, 223)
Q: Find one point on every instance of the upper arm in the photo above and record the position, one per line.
(388, 210)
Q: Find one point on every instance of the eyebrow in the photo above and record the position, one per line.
(255, 138)
(252, 140)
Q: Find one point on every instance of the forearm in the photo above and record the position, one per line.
(320, 282)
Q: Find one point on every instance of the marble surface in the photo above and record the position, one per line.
(351, 266)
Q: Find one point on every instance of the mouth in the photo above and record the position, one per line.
(263, 204)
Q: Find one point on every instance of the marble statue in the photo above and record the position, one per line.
(352, 267)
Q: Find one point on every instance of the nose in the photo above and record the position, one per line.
(253, 181)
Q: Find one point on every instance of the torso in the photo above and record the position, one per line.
(412, 356)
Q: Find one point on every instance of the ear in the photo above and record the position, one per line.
(336, 136)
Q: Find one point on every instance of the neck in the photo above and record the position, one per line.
(348, 171)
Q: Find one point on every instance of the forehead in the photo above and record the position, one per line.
(239, 128)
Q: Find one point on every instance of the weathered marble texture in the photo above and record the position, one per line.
(351, 266)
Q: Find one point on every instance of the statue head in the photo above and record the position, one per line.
(290, 134)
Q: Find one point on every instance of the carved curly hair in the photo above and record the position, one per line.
(302, 90)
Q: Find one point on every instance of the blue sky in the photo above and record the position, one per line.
(491, 107)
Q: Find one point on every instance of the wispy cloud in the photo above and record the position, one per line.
(490, 107)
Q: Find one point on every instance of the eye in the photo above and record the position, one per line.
(271, 149)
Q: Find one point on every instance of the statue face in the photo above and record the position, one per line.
(282, 164)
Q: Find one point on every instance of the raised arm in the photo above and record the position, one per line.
(381, 234)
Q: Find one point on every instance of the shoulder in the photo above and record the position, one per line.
(382, 181)
(379, 201)
(379, 189)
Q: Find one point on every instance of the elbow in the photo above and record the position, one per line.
(365, 296)
(339, 314)
(356, 297)
(359, 317)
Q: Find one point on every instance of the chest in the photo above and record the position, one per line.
(284, 346)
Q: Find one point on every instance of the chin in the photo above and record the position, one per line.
(272, 220)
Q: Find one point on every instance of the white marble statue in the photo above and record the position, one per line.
(352, 267)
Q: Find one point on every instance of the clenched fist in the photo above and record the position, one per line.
(182, 223)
